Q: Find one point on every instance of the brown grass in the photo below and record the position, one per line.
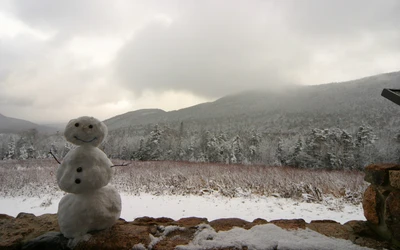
(37, 177)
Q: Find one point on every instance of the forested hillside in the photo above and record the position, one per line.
(335, 126)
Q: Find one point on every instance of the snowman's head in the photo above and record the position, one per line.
(85, 130)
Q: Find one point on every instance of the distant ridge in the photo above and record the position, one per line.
(15, 125)
(134, 118)
(345, 104)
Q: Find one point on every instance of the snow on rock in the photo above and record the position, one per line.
(265, 237)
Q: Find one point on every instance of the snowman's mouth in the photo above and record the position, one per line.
(76, 137)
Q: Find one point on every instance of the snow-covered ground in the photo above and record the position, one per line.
(208, 206)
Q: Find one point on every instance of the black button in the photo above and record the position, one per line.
(79, 170)
(77, 181)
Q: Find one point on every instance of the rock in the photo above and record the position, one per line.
(149, 220)
(381, 201)
(228, 224)
(290, 224)
(259, 221)
(360, 228)
(123, 235)
(330, 228)
(378, 174)
(176, 236)
(392, 215)
(394, 178)
(370, 205)
(47, 241)
(25, 227)
(191, 221)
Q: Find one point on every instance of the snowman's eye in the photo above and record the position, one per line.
(90, 126)
(79, 170)
(77, 124)
(77, 181)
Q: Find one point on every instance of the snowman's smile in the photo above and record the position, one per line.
(76, 137)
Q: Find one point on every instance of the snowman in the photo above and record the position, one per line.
(91, 203)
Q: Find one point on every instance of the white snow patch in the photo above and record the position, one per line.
(208, 206)
(139, 246)
(265, 237)
(164, 232)
(72, 243)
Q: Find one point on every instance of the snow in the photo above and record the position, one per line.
(209, 206)
(265, 237)
(95, 210)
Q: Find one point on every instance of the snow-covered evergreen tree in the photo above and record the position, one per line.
(23, 153)
(11, 149)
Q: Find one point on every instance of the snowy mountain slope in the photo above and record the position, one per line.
(343, 104)
(13, 125)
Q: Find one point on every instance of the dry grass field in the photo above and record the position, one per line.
(37, 177)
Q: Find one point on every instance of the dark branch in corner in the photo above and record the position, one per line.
(120, 165)
(55, 158)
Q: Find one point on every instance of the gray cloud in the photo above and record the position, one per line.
(213, 50)
(341, 18)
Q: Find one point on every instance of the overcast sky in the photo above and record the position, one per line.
(64, 59)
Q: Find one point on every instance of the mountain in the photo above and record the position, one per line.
(14, 125)
(142, 116)
(346, 105)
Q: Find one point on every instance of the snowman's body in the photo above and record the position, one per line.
(82, 213)
(85, 172)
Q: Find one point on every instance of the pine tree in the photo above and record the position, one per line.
(365, 138)
(23, 153)
(297, 154)
(11, 149)
(31, 152)
(237, 150)
(280, 153)
(254, 155)
(347, 145)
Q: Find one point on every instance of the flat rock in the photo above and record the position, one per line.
(330, 228)
(47, 241)
(25, 227)
(378, 174)
(191, 221)
(394, 178)
(370, 205)
(123, 235)
(228, 224)
(290, 224)
(392, 215)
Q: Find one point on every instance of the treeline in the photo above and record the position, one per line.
(331, 148)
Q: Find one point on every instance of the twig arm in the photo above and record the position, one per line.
(55, 158)
(120, 165)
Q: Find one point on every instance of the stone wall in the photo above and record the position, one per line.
(381, 201)
(30, 232)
